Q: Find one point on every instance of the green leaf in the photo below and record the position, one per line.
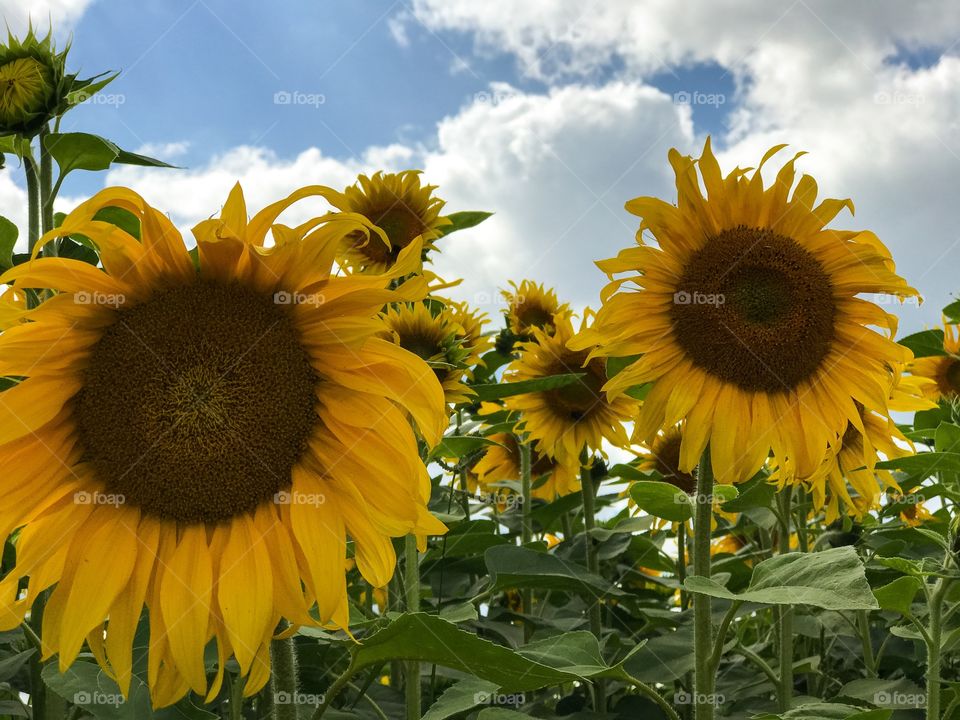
(460, 697)
(898, 595)
(616, 365)
(510, 566)
(124, 157)
(123, 219)
(463, 220)
(427, 638)
(899, 694)
(662, 500)
(952, 312)
(466, 540)
(833, 580)
(10, 666)
(495, 391)
(8, 239)
(84, 684)
(460, 445)
(80, 151)
(575, 652)
(925, 343)
(947, 438)
(827, 711)
(923, 465)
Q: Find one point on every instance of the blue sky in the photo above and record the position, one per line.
(552, 115)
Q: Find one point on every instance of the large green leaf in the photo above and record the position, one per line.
(460, 697)
(828, 711)
(833, 579)
(8, 239)
(427, 638)
(454, 446)
(495, 391)
(463, 220)
(510, 566)
(924, 343)
(667, 501)
(898, 595)
(83, 151)
(575, 652)
(923, 465)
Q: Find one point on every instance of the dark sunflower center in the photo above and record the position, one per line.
(576, 400)
(197, 403)
(667, 463)
(755, 309)
(952, 376)
(532, 315)
(401, 225)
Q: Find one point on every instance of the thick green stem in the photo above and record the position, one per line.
(33, 200)
(653, 695)
(704, 672)
(46, 185)
(526, 524)
(334, 690)
(588, 492)
(785, 612)
(682, 563)
(411, 585)
(933, 642)
(283, 679)
(869, 661)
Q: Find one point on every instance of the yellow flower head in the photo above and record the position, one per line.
(531, 306)
(565, 420)
(747, 319)
(430, 331)
(400, 207)
(501, 462)
(203, 440)
(939, 375)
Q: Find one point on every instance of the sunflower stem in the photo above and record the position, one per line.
(682, 563)
(411, 586)
(785, 612)
(705, 673)
(588, 492)
(47, 195)
(526, 525)
(933, 639)
(33, 198)
(283, 679)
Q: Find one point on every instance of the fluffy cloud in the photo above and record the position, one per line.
(63, 14)
(556, 169)
(826, 77)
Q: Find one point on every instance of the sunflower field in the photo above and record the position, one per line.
(265, 470)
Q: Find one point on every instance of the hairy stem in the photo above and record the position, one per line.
(704, 673)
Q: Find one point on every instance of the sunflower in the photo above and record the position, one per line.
(501, 462)
(532, 306)
(471, 334)
(565, 420)
(747, 319)
(34, 85)
(431, 332)
(664, 458)
(940, 374)
(401, 208)
(203, 440)
(852, 464)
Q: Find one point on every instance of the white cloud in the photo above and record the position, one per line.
(62, 14)
(555, 168)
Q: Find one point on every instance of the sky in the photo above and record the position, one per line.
(549, 113)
